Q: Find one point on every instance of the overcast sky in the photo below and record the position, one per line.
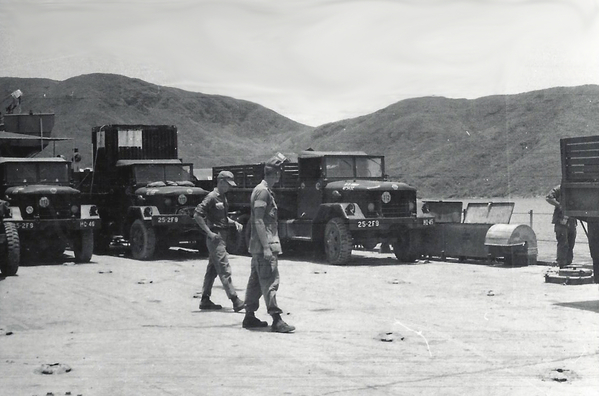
(314, 61)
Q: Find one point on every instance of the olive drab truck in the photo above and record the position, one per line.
(43, 205)
(146, 195)
(335, 200)
(580, 187)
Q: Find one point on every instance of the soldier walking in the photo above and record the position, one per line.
(212, 215)
(265, 248)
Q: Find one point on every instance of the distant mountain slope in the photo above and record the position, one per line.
(213, 130)
(492, 146)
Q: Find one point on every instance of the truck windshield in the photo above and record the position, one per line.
(162, 172)
(35, 172)
(350, 167)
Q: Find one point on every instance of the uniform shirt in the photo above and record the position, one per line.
(214, 209)
(558, 215)
(262, 197)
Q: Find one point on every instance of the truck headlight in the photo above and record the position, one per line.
(182, 199)
(44, 202)
(74, 209)
(168, 202)
(371, 207)
(29, 210)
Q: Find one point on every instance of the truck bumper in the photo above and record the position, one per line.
(390, 224)
(174, 221)
(37, 225)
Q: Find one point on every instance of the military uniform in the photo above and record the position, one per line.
(264, 276)
(214, 209)
(565, 230)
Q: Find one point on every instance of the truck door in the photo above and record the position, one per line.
(310, 192)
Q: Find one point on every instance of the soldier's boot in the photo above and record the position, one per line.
(279, 325)
(238, 304)
(252, 322)
(206, 304)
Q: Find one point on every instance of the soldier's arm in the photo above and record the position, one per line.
(199, 216)
(259, 227)
(551, 198)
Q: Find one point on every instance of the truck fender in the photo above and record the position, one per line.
(141, 212)
(14, 213)
(344, 210)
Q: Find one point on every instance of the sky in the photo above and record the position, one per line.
(314, 61)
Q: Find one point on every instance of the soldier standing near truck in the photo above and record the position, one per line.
(565, 229)
(213, 218)
(265, 248)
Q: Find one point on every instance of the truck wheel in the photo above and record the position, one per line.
(9, 264)
(402, 249)
(337, 241)
(83, 246)
(142, 239)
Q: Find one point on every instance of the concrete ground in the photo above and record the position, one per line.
(117, 326)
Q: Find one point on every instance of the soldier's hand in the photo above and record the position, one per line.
(267, 253)
(213, 236)
(238, 226)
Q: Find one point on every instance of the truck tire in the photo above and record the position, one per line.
(83, 246)
(337, 241)
(142, 240)
(9, 264)
(402, 249)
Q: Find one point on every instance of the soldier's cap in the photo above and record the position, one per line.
(228, 177)
(276, 162)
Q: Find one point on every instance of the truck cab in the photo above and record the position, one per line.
(44, 207)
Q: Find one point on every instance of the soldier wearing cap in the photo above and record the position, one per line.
(213, 218)
(265, 247)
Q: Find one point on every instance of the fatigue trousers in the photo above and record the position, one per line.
(218, 265)
(263, 281)
(566, 238)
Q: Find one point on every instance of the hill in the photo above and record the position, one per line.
(213, 130)
(505, 145)
(494, 146)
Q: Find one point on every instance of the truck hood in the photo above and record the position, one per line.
(368, 185)
(170, 190)
(41, 189)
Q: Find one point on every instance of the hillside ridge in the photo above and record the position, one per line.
(493, 146)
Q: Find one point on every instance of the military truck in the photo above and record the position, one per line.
(146, 195)
(335, 200)
(43, 205)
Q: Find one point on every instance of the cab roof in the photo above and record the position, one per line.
(4, 160)
(130, 162)
(314, 154)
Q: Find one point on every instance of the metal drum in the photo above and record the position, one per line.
(516, 243)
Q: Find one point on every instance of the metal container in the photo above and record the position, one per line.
(112, 143)
(485, 233)
(516, 243)
(38, 124)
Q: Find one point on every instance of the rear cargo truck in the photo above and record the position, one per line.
(145, 194)
(580, 187)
